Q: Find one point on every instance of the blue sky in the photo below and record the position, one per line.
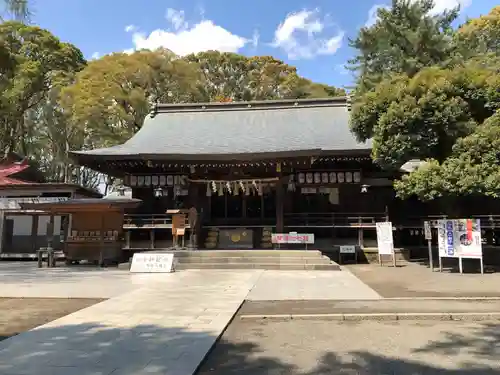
(312, 35)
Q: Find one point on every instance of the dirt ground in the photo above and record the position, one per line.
(415, 280)
(355, 348)
(21, 314)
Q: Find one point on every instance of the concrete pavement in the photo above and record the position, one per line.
(152, 323)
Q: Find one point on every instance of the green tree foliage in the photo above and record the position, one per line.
(406, 38)
(112, 95)
(38, 63)
(480, 35)
(229, 76)
(424, 91)
(422, 117)
(472, 168)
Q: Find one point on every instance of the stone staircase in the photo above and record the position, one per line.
(254, 259)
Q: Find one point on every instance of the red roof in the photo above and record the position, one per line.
(10, 169)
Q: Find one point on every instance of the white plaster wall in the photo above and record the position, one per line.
(23, 223)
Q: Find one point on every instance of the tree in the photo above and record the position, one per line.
(472, 168)
(480, 35)
(38, 63)
(229, 76)
(18, 8)
(406, 38)
(112, 95)
(423, 116)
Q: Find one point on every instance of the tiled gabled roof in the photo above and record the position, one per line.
(231, 130)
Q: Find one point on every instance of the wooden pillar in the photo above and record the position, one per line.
(34, 232)
(152, 239)
(101, 242)
(279, 206)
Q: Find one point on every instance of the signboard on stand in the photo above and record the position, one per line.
(460, 239)
(152, 263)
(385, 241)
(349, 251)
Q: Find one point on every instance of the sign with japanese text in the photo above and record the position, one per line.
(347, 249)
(293, 238)
(460, 238)
(385, 242)
(152, 263)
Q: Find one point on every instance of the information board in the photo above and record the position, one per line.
(385, 242)
(460, 238)
(152, 263)
(347, 249)
(292, 238)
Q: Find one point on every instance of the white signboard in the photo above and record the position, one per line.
(152, 263)
(292, 238)
(385, 243)
(427, 230)
(459, 238)
(348, 249)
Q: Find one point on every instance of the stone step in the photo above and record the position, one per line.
(245, 253)
(251, 266)
(239, 260)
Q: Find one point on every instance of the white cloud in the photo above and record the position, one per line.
(130, 28)
(255, 38)
(439, 7)
(442, 5)
(372, 14)
(183, 38)
(95, 56)
(176, 19)
(304, 35)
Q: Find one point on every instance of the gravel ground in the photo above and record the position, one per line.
(361, 348)
(415, 280)
(22, 314)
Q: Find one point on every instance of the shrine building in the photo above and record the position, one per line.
(251, 169)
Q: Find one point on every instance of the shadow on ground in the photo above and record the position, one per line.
(94, 349)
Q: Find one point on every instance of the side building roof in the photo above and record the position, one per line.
(225, 131)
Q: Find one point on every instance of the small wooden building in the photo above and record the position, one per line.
(24, 231)
(96, 227)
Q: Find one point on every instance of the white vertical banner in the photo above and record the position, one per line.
(385, 242)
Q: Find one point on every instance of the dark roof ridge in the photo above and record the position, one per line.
(250, 105)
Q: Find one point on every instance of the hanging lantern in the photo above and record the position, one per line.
(163, 180)
(340, 177)
(259, 189)
(236, 189)
(209, 190)
(221, 189)
(301, 178)
(348, 177)
(333, 177)
(170, 180)
(324, 177)
(247, 189)
(357, 177)
(309, 178)
(291, 184)
(317, 178)
(154, 180)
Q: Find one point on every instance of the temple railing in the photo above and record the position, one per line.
(138, 221)
(333, 219)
